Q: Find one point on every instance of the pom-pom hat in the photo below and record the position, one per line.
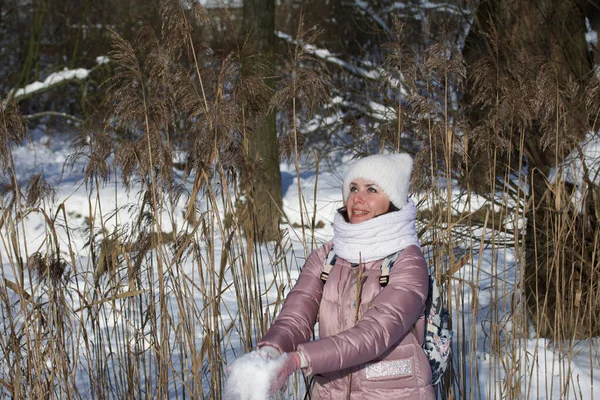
(391, 172)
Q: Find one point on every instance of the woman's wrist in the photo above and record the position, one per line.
(303, 360)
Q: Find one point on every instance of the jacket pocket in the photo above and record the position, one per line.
(390, 374)
(389, 369)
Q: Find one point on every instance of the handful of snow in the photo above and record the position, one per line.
(251, 375)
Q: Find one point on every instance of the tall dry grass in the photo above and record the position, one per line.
(514, 244)
(136, 301)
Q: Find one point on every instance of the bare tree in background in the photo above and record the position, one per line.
(531, 101)
(264, 185)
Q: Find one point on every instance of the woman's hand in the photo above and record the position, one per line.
(290, 363)
(266, 352)
(269, 352)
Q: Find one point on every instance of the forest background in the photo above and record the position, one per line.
(198, 138)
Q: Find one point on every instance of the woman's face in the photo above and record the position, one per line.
(365, 201)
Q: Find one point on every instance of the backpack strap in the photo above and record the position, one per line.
(419, 334)
(328, 263)
(386, 267)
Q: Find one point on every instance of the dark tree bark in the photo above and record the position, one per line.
(264, 185)
(529, 67)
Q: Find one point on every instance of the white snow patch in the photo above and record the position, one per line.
(326, 55)
(102, 60)
(53, 79)
(250, 376)
(580, 167)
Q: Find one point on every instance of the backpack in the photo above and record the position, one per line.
(438, 338)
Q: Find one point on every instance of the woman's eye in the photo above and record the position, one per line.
(372, 190)
(353, 189)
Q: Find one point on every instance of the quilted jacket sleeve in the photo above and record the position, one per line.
(295, 322)
(391, 315)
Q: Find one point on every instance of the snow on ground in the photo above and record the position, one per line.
(581, 169)
(491, 275)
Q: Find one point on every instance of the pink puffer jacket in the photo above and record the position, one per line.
(375, 354)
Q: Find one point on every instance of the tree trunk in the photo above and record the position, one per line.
(264, 184)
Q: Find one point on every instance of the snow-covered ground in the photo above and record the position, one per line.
(484, 288)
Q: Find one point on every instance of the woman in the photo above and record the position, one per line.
(373, 352)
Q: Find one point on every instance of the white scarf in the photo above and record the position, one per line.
(376, 238)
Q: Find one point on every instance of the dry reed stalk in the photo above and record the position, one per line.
(158, 318)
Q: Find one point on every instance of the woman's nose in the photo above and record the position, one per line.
(358, 198)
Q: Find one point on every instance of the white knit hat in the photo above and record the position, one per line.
(391, 172)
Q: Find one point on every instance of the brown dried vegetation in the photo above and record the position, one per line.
(169, 92)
